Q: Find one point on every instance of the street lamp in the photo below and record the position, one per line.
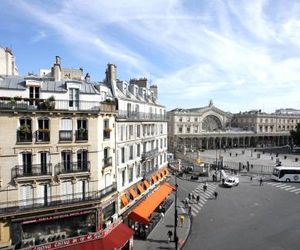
(175, 214)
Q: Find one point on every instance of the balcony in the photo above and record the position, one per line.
(43, 135)
(107, 162)
(65, 135)
(106, 133)
(24, 136)
(31, 170)
(16, 103)
(149, 154)
(81, 135)
(124, 114)
(72, 167)
(55, 201)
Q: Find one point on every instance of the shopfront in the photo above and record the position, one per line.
(147, 214)
(53, 228)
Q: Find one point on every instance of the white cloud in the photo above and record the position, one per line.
(41, 35)
(243, 54)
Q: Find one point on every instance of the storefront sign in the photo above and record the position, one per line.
(59, 216)
(112, 226)
(67, 242)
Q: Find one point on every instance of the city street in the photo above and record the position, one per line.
(249, 217)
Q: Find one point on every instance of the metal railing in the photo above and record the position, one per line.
(32, 170)
(7, 103)
(24, 136)
(107, 162)
(106, 135)
(43, 135)
(65, 135)
(72, 167)
(150, 154)
(81, 135)
(54, 200)
(124, 114)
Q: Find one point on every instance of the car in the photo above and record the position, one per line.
(231, 181)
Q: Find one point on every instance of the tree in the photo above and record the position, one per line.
(295, 134)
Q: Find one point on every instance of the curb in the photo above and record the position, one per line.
(189, 233)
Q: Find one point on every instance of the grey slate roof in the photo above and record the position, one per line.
(12, 82)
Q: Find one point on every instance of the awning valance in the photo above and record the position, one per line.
(144, 210)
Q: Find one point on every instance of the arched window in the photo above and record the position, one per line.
(211, 123)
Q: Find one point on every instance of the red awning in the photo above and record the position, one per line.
(116, 239)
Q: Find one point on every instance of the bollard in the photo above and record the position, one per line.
(285, 157)
(296, 159)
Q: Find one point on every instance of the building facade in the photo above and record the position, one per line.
(141, 138)
(209, 127)
(57, 161)
(8, 65)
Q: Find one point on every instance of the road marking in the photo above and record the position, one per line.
(194, 214)
(289, 188)
(199, 206)
(195, 209)
(295, 190)
(284, 187)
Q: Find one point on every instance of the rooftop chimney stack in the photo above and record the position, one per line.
(87, 77)
(56, 70)
(111, 73)
(153, 88)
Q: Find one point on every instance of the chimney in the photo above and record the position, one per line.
(56, 70)
(111, 73)
(153, 88)
(87, 77)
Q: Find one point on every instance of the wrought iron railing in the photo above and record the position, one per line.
(150, 154)
(72, 167)
(24, 136)
(81, 135)
(124, 114)
(43, 135)
(65, 135)
(7, 207)
(32, 170)
(107, 162)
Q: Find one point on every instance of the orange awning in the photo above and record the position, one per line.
(133, 193)
(144, 210)
(140, 187)
(124, 200)
(146, 184)
(166, 171)
(161, 174)
(153, 177)
(158, 176)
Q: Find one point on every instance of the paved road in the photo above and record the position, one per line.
(249, 217)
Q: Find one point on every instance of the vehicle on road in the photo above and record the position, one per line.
(286, 174)
(231, 181)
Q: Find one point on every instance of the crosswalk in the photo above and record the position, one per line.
(204, 196)
(284, 186)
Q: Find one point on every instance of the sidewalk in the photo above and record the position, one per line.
(158, 238)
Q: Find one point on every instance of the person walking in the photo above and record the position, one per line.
(251, 178)
(198, 198)
(204, 187)
(190, 196)
(181, 220)
(170, 234)
(261, 181)
(216, 195)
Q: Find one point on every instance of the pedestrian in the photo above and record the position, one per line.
(181, 220)
(216, 195)
(193, 196)
(260, 181)
(170, 233)
(198, 198)
(251, 178)
(162, 217)
(204, 187)
(190, 196)
(190, 210)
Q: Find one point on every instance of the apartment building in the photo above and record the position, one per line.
(141, 139)
(57, 160)
(7, 62)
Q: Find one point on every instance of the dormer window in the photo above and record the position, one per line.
(34, 93)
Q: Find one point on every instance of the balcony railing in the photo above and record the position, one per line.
(65, 135)
(107, 162)
(7, 103)
(150, 154)
(72, 167)
(53, 201)
(106, 134)
(43, 135)
(124, 114)
(81, 135)
(32, 170)
(24, 136)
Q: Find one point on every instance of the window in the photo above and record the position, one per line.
(66, 128)
(73, 98)
(165, 142)
(180, 129)
(26, 195)
(43, 133)
(180, 119)
(130, 174)
(138, 170)
(161, 143)
(138, 131)
(82, 160)
(122, 132)
(82, 131)
(27, 163)
(130, 131)
(161, 129)
(106, 130)
(24, 133)
(123, 155)
(44, 162)
(34, 93)
(123, 178)
(131, 152)
(43, 194)
(196, 119)
(138, 150)
(188, 129)
(196, 129)
(66, 157)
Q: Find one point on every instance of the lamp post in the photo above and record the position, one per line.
(175, 214)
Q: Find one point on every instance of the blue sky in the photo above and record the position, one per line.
(241, 54)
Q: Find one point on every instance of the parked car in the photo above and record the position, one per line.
(231, 181)
(194, 177)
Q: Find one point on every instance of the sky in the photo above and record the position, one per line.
(241, 54)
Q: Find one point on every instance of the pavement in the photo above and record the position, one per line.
(158, 238)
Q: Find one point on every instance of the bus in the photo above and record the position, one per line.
(286, 174)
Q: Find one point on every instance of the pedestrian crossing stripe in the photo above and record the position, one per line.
(295, 190)
(289, 188)
(195, 209)
(284, 187)
(198, 206)
(194, 214)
